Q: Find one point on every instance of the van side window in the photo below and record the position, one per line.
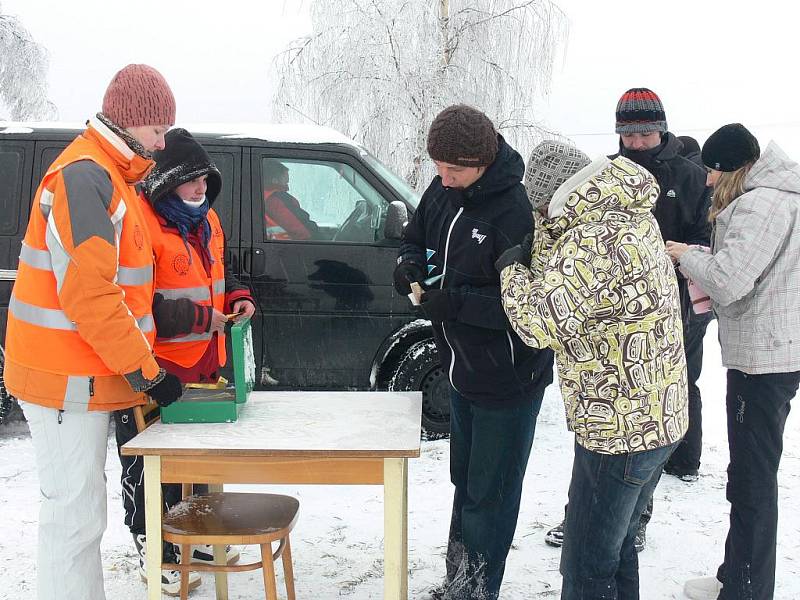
(11, 162)
(319, 200)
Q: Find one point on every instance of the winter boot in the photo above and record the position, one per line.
(555, 537)
(702, 588)
(170, 578)
(640, 541)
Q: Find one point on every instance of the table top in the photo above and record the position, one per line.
(314, 424)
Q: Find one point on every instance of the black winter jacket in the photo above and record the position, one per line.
(681, 209)
(461, 233)
(682, 206)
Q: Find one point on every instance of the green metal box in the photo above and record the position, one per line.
(199, 405)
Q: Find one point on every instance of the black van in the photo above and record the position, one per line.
(328, 316)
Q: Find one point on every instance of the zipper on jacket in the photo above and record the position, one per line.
(511, 346)
(441, 285)
(447, 246)
(452, 359)
(91, 386)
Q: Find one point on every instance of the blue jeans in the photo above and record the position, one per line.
(489, 449)
(607, 495)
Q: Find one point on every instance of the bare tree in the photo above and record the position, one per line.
(23, 74)
(380, 70)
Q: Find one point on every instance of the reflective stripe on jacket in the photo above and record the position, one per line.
(182, 275)
(80, 312)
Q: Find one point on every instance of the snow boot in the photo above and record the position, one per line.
(170, 578)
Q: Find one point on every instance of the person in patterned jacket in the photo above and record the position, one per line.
(602, 293)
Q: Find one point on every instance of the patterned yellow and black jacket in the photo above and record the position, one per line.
(602, 293)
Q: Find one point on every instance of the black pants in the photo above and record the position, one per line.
(687, 456)
(132, 478)
(757, 409)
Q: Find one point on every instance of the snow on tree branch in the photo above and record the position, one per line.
(380, 70)
(23, 74)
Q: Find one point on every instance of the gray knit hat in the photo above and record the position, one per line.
(551, 164)
(462, 135)
(639, 110)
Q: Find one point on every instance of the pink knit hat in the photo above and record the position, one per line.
(139, 95)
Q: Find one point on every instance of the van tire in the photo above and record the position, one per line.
(420, 370)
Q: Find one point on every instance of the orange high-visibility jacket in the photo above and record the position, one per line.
(181, 275)
(79, 317)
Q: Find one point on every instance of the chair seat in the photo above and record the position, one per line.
(232, 515)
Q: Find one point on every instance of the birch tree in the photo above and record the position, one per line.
(23, 74)
(380, 70)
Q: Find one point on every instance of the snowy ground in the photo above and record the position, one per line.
(337, 542)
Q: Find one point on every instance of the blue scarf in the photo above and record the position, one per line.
(186, 219)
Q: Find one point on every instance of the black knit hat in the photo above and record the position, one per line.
(462, 135)
(181, 160)
(690, 145)
(639, 110)
(730, 147)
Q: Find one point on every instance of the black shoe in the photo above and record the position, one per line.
(555, 537)
(687, 475)
(640, 541)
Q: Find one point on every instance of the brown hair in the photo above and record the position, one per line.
(729, 186)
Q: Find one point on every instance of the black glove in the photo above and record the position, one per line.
(439, 304)
(518, 254)
(406, 273)
(166, 391)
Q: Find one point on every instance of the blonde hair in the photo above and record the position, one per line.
(729, 186)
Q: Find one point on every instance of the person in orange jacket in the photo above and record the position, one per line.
(193, 293)
(284, 218)
(80, 326)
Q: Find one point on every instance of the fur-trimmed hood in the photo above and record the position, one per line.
(182, 160)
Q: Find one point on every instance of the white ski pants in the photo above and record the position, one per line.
(71, 453)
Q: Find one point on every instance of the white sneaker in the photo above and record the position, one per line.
(204, 554)
(170, 579)
(702, 588)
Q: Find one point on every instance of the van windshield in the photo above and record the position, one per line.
(402, 188)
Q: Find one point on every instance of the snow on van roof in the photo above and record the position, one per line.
(292, 133)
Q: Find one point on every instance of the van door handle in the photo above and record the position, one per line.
(254, 262)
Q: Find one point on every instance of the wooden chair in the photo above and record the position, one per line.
(235, 518)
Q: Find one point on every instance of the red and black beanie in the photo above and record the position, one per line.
(639, 110)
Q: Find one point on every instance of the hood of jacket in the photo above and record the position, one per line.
(605, 189)
(181, 160)
(774, 170)
(505, 172)
(668, 149)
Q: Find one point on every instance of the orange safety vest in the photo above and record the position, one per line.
(78, 361)
(273, 230)
(178, 276)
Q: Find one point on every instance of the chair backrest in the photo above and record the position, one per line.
(144, 414)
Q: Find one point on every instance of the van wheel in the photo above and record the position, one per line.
(421, 370)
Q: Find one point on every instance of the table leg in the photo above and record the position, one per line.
(220, 577)
(395, 529)
(152, 515)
